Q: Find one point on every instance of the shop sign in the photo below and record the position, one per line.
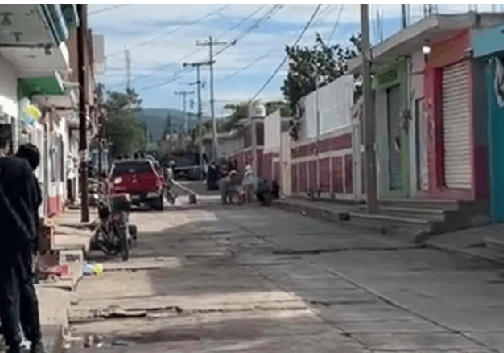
(388, 77)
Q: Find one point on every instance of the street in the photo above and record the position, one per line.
(214, 278)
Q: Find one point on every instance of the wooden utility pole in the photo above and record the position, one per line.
(369, 154)
(210, 43)
(83, 109)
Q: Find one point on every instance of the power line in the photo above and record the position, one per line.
(248, 65)
(107, 9)
(256, 25)
(162, 68)
(199, 19)
(174, 77)
(286, 56)
(336, 24)
(248, 17)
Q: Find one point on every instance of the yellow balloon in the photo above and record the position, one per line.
(98, 269)
(34, 112)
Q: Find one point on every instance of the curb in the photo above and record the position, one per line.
(465, 252)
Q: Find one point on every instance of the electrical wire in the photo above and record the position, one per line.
(162, 68)
(249, 30)
(174, 77)
(247, 18)
(199, 19)
(335, 24)
(107, 9)
(247, 66)
(286, 56)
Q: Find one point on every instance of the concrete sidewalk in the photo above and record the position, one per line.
(486, 242)
(53, 305)
(483, 242)
(71, 240)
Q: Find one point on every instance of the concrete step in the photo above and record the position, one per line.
(420, 204)
(411, 212)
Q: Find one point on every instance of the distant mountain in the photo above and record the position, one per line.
(155, 120)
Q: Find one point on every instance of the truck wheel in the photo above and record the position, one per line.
(157, 204)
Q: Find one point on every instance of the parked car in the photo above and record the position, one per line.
(142, 179)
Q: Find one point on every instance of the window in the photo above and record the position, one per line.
(131, 167)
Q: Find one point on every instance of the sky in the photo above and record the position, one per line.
(161, 38)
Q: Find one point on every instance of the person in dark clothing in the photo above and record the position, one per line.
(31, 153)
(19, 203)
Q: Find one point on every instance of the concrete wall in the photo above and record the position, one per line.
(8, 88)
(419, 180)
(335, 101)
(272, 131)
(9, 96)
(227, 147)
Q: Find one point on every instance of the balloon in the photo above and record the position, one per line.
(34, 112)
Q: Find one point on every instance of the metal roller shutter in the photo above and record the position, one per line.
(456, 126)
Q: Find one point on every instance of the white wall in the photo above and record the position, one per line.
(335, 101)
(272, 131)
(9, 94)
(227, 147)
(8, 87)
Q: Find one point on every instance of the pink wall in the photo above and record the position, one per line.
(443, 54)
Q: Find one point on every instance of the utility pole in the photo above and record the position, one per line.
(369, 153)
(128, 68)
(83, 109)
(198, 83)
(184, 94)
(210, 43)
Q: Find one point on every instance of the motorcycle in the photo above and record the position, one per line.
(114, 235)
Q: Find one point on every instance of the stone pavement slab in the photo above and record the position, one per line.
(53, 311)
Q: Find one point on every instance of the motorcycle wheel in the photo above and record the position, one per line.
(123, 242)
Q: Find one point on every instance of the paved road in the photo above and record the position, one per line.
(254, 279)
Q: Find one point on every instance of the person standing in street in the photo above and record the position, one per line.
(19, 203)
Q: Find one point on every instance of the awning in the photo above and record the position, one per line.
(51, 85)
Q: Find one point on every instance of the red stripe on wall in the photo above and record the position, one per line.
(325, 175)
(313, 175)
(294, 178)
(348, 174)
(303, 171)
(337, 174)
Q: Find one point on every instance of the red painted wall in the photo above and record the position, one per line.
(325, 174)
(443, 53)
(54, 206)
(337, 174)
(348, 174)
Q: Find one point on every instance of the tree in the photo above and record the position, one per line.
(327, 62)
(240, 111)
(123, 128)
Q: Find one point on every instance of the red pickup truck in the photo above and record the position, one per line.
(142, 179)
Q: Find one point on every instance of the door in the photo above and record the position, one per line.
(394, 135)
(456, 126)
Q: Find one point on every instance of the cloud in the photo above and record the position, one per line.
(170, 33)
